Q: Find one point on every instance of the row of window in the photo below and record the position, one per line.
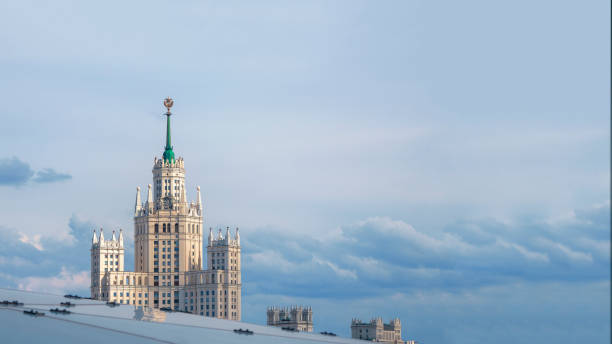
(166, 228)
(127, 294)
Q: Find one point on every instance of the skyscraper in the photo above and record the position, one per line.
(168, 261)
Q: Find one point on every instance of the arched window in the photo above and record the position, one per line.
(156, 228)
(164, 228)
(176, 228)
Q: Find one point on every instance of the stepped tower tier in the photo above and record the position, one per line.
(168, 229)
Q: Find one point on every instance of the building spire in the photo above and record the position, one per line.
(138, 205)
(168, 152)
(199, 204)
(149, 203)
(183, 195)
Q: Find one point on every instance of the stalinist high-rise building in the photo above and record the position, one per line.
(168, 259)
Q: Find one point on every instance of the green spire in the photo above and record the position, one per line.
(168, 152)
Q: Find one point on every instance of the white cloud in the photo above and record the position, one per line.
(59, 284)
(15, 261)
(339, 271)
(405, 231)
(34, 240)
(369, 266)
(271, 259)
(573, 255)
(531, 255)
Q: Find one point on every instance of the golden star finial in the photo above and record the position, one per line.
(168, 102)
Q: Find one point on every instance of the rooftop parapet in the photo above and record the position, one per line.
(99, 241)
(177, 163)
(226, 240)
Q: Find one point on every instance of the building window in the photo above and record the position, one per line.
(176, 228)
(156, 228)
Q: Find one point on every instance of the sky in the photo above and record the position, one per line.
(447, 163)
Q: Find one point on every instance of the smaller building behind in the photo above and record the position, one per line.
(376, 331)
(297, 318)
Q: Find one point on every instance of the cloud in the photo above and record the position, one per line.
(343, 273)
(33, 260)
(380, 255)
(65, 281)
(34, 241)
(49, 175)
(15, 172)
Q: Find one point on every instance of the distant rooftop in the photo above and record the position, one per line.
(92, 321)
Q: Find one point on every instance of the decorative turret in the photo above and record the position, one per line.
(120, 237)
(94, 240)
(138, 205)
(219, 237)
(149, 199)
(114, 238)
(101, 235)
(199, 204)
(237, 237)
(183, 196)
(210, 236)
(227, 236)
(168, 152)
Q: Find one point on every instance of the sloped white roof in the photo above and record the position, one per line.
(95, 322)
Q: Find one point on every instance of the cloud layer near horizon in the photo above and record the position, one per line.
(380, 255)
(375, 260)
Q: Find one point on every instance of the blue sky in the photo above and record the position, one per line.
(447, 163)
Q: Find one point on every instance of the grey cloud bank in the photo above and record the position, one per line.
(380, 255)
(15, 172)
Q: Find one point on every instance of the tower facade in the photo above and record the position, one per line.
(106, 256)
(168, 256)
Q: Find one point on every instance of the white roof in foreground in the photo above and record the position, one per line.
(92, 321)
